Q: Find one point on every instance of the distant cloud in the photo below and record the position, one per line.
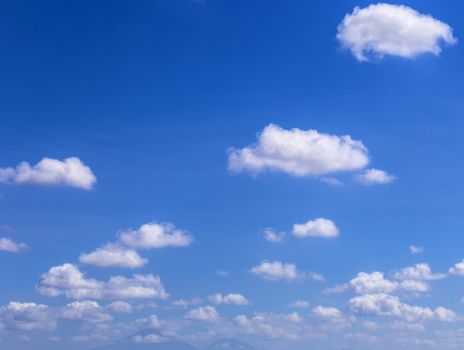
(69, 281)
(299, 153)
(276, 270)
(222, 273)
(414, 249)
(85, 310)
(391, 306)
(457, 269)
(205, 313)
(383, 29)
(419, 272)
(375, 177)
(232, 298)
(113, 255)
(27, 317)
(8, 245)
(69, 172)
(271, 235)
(316, 228)
(151, 338)
(300, 304)
(120, 307)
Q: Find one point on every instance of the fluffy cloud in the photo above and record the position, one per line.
(388, 305)
(70, 172)
(374, 177)
(299, 153)
(27, 317)
(120, 307)
(113, 255)
(383, 29)
(457, 269)
(85, 310)
(327, 313)
(8, 245)
(156, 235)
(276, 270)
(376, 282)
(69, 281)
(419, 272)
(232, 298)
(316, 228)
(205, 313)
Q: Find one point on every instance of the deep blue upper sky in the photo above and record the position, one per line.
(151, 95)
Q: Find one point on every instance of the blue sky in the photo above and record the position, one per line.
(162, 104)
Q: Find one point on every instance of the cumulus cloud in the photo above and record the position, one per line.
(388, 305)
(457, 269)
(204, 313)
(374, 177)
(420, 272)
(8, 245)
(69, 281)
(113, 255)
(375, 282)
(120, 307)
(299, 153)
(299, 304)
(330, 313)
(156, 235)
(69, 172)
(276, 270)
(316, 228)
(232, 298)
(27, 317)
(86, 311)
(383, 29)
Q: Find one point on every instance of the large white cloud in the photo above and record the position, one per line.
(69, 281)
(276, 270)
(316, 228)
(70, 172)
(299, 153)
(384, 29)
(113, 255)
(388, 305)
(8, 245)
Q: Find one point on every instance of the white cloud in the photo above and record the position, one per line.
(316, 228)
(299, 153)
(185, 303)
(120, 307)
(232, 298)
(330, 313)
(149, 339)
(205, 313)
(388, 305)
(384, 29)
(375, 177)
(300, 304)
(276, 270)
(70, 172)
(419, 272)
(8, 245)
(26, 317)
(69, 281)
(156, 235)
(113, 255)
(376, 282)
(457, 269)
(272, 236)
(414, 249)
(85, 310)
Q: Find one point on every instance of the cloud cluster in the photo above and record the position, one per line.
(384, 29)
(26, 317)
(69, 281)
(231, 298)
(123, 253)
(69, 172)
(204, 313)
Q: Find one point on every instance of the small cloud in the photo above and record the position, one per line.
(276, 270)
(300, 304)
(222, 273)
(375, 177)
(272, 236)
(8, 245)
(331, 181)
(232, 299)
(316, 228)
(414, 249)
